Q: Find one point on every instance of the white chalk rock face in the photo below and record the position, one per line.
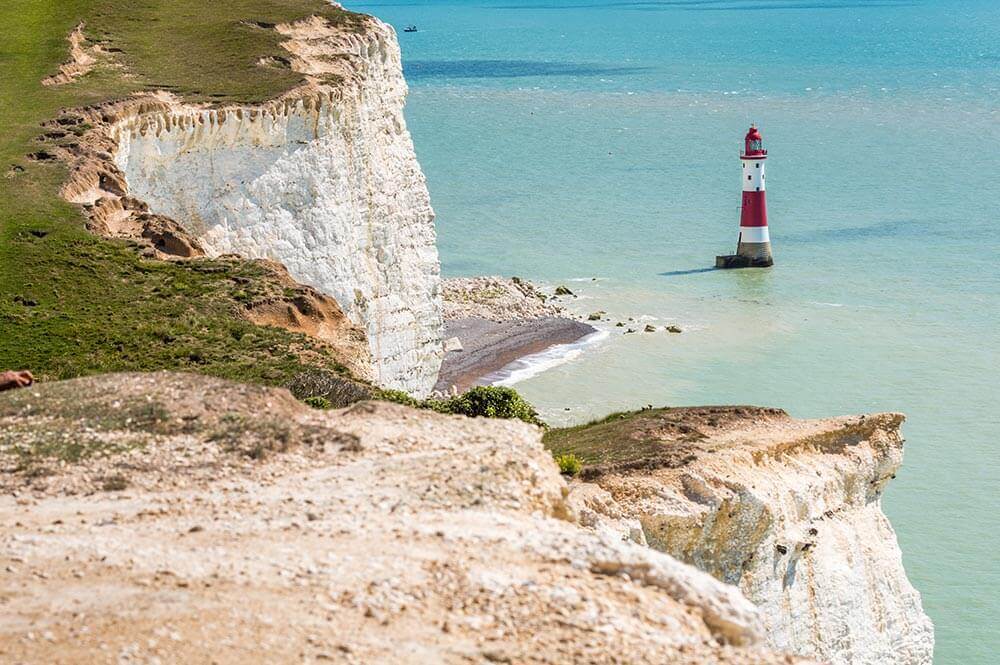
(789, 511)
(327, 184)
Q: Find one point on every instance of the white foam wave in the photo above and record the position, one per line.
(536, 363)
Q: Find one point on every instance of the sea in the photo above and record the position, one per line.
(595, 145)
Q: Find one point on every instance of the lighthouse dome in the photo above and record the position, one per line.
(753, 143)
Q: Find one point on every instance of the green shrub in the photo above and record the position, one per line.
(479, 402)
(569, 464)
(318, 402)
(492, 402)
(398, 397)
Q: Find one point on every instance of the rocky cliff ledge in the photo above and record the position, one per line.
(787, 510)
(323, 180)
(185, 519)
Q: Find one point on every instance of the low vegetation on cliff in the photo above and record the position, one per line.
(74, 304)
(326, 391)
(645, 439)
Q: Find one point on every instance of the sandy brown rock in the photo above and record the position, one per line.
(303, 309)
(81, 59)
(372, 534)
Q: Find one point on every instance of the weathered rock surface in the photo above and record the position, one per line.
(245, 527)
(495, 298)
(788, 510)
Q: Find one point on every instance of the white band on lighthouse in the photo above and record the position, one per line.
(753, 175)
(754, 234)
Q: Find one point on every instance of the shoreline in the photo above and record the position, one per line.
(488, 347)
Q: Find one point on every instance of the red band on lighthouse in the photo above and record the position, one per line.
(754, 211)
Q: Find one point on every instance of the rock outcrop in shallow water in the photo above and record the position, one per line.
(323, 180)
(787, 510)
(188, 519)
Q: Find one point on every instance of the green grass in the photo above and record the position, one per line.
(645, 439)
(73, 304)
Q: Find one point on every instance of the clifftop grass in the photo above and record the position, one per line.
(73, 304)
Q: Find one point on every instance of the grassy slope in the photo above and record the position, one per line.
(648, 439)
(618, 438)
(95, 305)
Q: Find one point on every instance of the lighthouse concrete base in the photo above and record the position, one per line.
(740, 261)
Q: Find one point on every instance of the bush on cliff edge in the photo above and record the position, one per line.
(492, 402)
(479, 402)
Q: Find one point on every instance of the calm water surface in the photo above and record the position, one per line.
(572, 140)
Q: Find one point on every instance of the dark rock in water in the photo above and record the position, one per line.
(619, 325)
(649, 328)
(731, 261)
(673, 329)
(563, 291)
(630, 330)
(595, 316)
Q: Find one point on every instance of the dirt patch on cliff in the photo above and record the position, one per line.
(81, 59)
(143, 430)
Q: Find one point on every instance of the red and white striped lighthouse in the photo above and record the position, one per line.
(754, 247)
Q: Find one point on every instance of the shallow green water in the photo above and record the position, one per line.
(571, 140)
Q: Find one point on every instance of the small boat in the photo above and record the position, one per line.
(410, 28)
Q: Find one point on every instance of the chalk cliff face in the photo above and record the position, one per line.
(787, 510)
(324, 181)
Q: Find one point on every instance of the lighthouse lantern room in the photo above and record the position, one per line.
(753, 250)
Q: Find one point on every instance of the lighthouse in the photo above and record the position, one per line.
(753, 249)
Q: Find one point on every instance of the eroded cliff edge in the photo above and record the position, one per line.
(200, 519)
(787, 510)
(323, 180)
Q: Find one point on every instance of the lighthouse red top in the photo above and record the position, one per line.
(753, 145)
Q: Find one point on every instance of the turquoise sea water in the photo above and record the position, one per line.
(572, 140)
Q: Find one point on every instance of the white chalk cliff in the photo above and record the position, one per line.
(324, 181)
(789, 511)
